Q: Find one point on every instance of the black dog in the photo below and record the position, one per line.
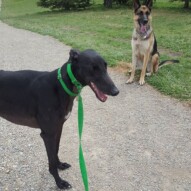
(37, 99)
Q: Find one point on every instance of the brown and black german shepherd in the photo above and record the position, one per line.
(145, 55)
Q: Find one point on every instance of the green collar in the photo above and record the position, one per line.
(73, 80)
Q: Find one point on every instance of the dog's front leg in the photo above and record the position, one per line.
(60, 165)
(143, 71)
(134, 63)
(51, 148)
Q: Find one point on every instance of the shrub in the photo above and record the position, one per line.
(64, 4)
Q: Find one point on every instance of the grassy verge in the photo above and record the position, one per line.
(109, 33)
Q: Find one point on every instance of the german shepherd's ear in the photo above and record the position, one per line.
(149, 3)
(74, 54)
(136, 4)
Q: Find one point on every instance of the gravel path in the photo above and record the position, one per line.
(137, 141)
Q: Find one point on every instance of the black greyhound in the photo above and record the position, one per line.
(37, 99)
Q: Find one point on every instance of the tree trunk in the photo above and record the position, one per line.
(108, 3)
(186, 4)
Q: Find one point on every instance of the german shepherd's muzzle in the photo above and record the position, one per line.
(145, 55)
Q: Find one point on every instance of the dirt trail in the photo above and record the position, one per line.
(139, 140)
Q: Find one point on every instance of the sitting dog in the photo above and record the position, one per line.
(145, 55)
(37, 99)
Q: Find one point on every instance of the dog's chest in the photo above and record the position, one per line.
(67, 115)
(68, 110)
(140, 47)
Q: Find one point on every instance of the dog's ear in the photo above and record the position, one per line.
(136, 4)
(74, 54)
(149, 3)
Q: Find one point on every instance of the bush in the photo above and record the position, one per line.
(64, 4)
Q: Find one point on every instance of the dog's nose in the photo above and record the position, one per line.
(145, 21)
(115, 91)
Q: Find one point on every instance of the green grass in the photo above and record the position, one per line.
(109, 31)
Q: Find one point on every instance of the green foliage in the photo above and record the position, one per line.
(186, 2)
(123, 2)
(64, 4)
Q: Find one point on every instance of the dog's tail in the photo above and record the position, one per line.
(167, 62)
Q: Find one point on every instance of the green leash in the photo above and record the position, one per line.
(80, 119)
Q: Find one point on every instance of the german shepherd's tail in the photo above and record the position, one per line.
(167, 62)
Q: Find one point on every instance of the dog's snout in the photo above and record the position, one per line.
(145, 21)
(115, 91)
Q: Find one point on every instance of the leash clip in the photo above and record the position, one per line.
(78, 86)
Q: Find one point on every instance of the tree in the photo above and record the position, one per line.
(108, 3)
(186, 4)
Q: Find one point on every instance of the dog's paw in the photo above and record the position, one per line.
(63, 166)
(63, 184)
(148, 74)
(129, 81)
(141, 82)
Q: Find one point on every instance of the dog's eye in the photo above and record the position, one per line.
(141, 13)
(105, 64)
(147, 13)
(95, 68)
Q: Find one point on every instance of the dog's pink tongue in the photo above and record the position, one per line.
(143, 29)
(100, 95)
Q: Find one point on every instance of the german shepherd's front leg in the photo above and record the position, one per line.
(134, 63)
(143, 71)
